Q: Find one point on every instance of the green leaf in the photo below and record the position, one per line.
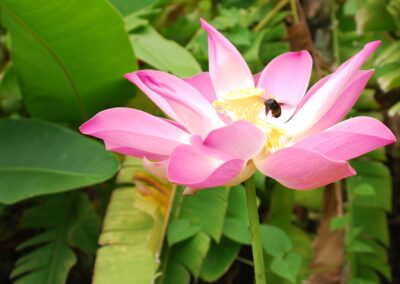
(302, 242)
(361, 281)
(281, 207)
(192, 252)
(394, 110)
(252, 55)
(69, 56)
(134, 228)
(372, 15)
(281, 216)
(353, 233)
(10, 92)
(358, 246)
(133, 22)
(375, 175)
(237, 231)
(207, 209)
(125, 256)
(139, 18)
(379, 250)
(127, 7)
(219, 258)
(270, 50)
(236, 224)
(338, 223)
(388, 73)
(390, 54)
(367, 101)
(364, 189)
(387, 76)
(180, 230)
(288, 267)
(84, 231)
(376, 263)
(38, 157)
(366, 273)
(237, 204)
(163, 54)
(274, 240)
(311, 199)
(372, 222)
(48, 264)
(52, 260)
(175, 273)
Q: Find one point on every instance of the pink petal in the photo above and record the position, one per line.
(362, 56)
(128, 151)
(188, 106)
(158, 168)
(286, 78)
(134, 132)
(174, 123)
(218, 159)
(256, 78)
(350, 138)
(241, 140)
(158, 99)
(328, 94)
(228, 70)
(312, 91)
(198, 167)
(299, 168)
(344, 104)
(202, 83)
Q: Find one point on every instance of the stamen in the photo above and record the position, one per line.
(248, 104)
(243, 104)
(243, 94)
(275, 136)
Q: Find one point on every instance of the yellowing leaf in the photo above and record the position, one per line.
(134, 228)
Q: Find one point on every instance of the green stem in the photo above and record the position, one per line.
(272, 13)
(258, 257)
(245, 261)
(293, 7)
(335, 34)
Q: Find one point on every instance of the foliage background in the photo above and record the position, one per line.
(70, 212)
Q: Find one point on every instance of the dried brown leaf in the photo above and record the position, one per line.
(328, 247)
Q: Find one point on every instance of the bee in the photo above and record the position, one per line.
(273, 106)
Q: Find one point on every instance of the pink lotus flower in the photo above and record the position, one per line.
(227, 123)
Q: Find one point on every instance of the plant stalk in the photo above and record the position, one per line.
(293, 7)
(258, 257)
(281, 4)
(335, 34)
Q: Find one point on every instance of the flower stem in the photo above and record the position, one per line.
(258, 257)
(335, 34)
(272, 13)
(293, 6)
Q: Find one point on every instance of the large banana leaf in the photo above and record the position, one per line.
(38, 157)
(125, 256)
(70, 56)
(133, 229)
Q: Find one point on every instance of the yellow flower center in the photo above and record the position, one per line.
(248, 104)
